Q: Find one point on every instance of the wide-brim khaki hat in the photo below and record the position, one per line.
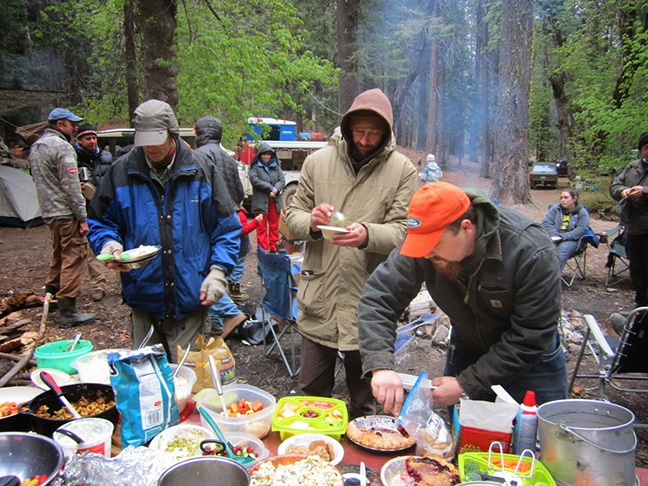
(153, 121)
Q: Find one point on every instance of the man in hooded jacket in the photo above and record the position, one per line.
(362, 176)
(495, 274)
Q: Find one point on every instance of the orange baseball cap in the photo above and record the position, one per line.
(433, 207)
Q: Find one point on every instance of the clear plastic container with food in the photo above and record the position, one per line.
(93, 367)
(256, 420)
(183, 383)
(299, 415)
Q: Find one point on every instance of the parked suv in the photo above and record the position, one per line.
(544, 174)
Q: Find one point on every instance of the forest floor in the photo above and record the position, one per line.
(26, 252)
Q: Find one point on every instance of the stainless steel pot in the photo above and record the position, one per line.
(587, 442)
(205, 471)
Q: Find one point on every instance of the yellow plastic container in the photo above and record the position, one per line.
(540, 476)
(301, 415)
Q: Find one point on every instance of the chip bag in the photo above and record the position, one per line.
(222, 356)
(144, 392)
(420, 421)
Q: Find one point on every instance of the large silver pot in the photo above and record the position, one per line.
(205, 471)
(587, 442)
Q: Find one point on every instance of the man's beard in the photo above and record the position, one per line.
(450, 270)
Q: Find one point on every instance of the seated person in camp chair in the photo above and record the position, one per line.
(566, 223)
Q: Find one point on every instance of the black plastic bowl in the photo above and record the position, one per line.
(26, 455)
(73, 393)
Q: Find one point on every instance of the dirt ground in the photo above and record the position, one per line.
(25, 255)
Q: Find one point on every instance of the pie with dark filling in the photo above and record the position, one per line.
(378, 432)
(429, 471)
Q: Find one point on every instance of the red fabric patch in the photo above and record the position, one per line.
(72, 170)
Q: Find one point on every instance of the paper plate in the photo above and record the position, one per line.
(305, 439)
(60, 377)
(330, 231)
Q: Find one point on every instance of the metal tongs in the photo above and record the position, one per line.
(516, 477)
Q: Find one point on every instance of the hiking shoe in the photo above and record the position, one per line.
(235, 293)
(69, 316)
(98, 295)
(231, 323)
(617, 321)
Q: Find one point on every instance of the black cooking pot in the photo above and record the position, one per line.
(47, 426)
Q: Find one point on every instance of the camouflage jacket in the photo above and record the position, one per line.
(54, 169)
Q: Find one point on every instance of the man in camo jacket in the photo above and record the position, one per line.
(55, 172)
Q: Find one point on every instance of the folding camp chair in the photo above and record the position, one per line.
(618, 264)
(404, 336)
(576, 266)
(276, 270)
(620, 360)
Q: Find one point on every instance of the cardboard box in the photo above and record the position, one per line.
(471, 439)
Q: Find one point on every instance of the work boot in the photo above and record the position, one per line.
(70, 317)
(53, 304)
(235, 292)
(231, 323)
(617, 321)
(98, 295)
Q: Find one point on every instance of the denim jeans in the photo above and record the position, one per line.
(565, 250)
(222, 309)
(547, 377)
(236, 276)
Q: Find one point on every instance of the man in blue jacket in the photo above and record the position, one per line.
(164, 193)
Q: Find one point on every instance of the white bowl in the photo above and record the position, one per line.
(183, 391)
(330, 231)
(304, 439)
(60, 377)
(18, 394)
(183, 431)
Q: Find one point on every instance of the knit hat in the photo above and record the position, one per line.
(86, 129)
(153, 121)
(430, 158)
(643, 140)
(432, 208)
(63, 114)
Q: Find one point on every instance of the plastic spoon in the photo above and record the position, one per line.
(184, 357)
(75, 342)
(49, 381)
(243, 460)
(217, 382)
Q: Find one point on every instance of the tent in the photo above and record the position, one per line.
(18, 201)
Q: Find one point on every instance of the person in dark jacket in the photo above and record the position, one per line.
(209, 132)
(495, 274)
(163, 193)
(566, 223)
(96, 162)
(267, 181)
(631, 188)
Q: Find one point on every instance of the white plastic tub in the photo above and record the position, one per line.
(183, 384)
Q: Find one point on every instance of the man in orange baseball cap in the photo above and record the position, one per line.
(495, 274)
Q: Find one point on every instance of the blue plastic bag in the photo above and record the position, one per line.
(144, 392)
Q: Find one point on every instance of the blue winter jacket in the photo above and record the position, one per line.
(192, 218)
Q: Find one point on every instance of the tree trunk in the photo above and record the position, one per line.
(441, 146)
(483, 74)
(131, 58)
(157, 23)
(424, 97)
(430, 143)
(347, 21)
(510, 183)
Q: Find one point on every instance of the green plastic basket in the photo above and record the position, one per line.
(540, 476)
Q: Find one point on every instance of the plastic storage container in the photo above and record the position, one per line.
(184, 382)
(257, 424)
(93, 367)
(56, 355)
(95, 432)
(469, 460)
(299, 415)
(247, 440)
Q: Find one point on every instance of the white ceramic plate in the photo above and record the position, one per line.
(330, 231)
(304, 439)
(60, 377)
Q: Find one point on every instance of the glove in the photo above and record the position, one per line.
(111, 247)
(215, 284)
